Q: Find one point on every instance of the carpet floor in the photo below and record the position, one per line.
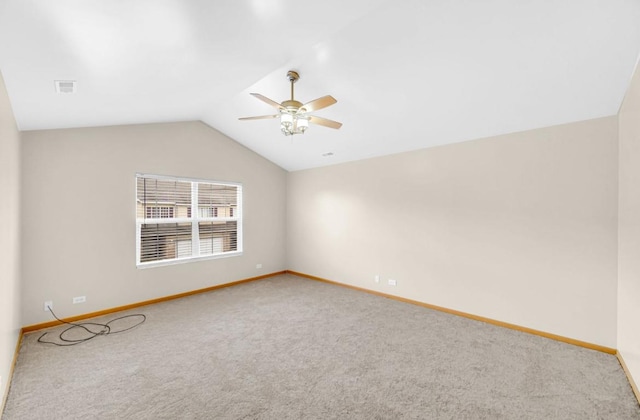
(291, 348)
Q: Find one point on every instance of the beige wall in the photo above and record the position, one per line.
(10, 322)
(629, 230)
(520, 228)
(79, 213)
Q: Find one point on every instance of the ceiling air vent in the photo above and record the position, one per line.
(65, 86)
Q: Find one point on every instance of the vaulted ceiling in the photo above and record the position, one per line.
(407, 74)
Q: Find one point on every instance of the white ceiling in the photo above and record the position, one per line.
(407, 74)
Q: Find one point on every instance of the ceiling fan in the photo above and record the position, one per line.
(294, 116)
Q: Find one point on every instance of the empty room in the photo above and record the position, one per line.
(270, 209)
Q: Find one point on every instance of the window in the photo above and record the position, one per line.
(168, 231)
(208, 212)
(156, 212)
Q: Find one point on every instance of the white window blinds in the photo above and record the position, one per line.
(181, 219)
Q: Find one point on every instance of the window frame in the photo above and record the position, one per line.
(194, 218)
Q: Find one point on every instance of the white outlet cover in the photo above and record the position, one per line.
(392, 282)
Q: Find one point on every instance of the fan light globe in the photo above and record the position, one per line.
(286, 120)
(302, 124)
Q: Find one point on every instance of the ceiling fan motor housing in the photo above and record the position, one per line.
(292, 105)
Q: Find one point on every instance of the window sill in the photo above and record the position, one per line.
(187, 260)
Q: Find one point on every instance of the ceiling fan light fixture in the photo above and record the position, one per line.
(294, 115)
(291, 124)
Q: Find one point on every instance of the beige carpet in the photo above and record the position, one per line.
(292, 348)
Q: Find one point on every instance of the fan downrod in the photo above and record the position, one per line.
(292, 104)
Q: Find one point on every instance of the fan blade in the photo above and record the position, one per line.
(325, 122)
(267, 100)
(319, 103)
(261, 117)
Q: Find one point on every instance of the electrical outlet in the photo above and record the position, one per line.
(392, 282)
(376, 278)
(258, 266)
(79, 299)
(48, 304)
